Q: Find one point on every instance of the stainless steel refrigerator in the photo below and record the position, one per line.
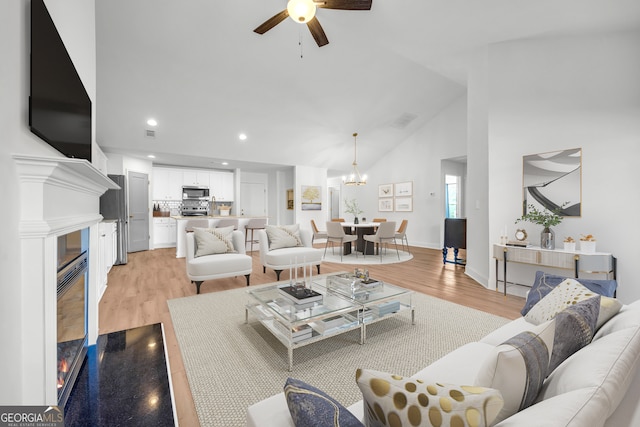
(113, 206)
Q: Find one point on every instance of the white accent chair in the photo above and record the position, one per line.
(285, 258)
(218, 266)
(386, 234)
(336, 234)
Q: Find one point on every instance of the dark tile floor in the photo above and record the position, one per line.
(123, 382)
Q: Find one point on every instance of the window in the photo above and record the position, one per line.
(452, 196)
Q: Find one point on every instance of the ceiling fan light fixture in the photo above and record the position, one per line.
(301, 11)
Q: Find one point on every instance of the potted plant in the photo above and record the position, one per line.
(351, 206)
(546, 219)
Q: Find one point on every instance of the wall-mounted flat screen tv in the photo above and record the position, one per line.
(59, 107)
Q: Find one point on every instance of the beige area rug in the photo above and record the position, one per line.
(231, 365)
(389, 256)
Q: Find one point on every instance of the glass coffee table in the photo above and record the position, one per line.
(338, 310)
(378, 300)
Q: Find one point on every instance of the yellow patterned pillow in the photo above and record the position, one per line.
(391, 400)
(566, 294)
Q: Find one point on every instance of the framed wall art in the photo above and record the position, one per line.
(404, 189)
(290, 199)
(311, 196)
(385, 205)
(385, 190)
(404, 204)
(553, 180)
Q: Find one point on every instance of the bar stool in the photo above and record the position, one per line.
(253, 224)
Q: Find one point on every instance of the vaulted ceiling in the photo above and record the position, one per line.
(197, 67)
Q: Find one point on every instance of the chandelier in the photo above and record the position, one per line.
(355, 178)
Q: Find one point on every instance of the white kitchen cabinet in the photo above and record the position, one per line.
(222, 186)
(107, 253)
(195, 178)
(164, 232)
(167, 184)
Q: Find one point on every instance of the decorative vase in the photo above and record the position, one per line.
(355, 220)
(588, 246)
(570, 246)
(547, 239)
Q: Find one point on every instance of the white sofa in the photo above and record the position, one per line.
(284, 258)
(597, 386)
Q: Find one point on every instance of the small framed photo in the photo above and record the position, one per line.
(404, 204)
(404, 189)
(385, 205)
(385, 190)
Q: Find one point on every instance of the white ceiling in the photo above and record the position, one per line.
(198, 68)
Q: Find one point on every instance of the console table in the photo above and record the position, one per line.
(578, 261)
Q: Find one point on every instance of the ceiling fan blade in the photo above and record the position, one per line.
(272, 22)
(344, 4)
(317, 32)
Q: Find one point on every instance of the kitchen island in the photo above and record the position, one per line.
(212, 221)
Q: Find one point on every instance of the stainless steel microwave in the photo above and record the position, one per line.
(195, 193)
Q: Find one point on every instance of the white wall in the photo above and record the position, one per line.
(417, 159)
(478, 168)
(309, 176)
(560, 93)
(75, 20)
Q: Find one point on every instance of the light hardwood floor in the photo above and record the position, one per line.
(137, 295)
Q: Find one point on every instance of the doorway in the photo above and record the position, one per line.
(334, 202)
(253, 199)
(454, 173)
(138, 211)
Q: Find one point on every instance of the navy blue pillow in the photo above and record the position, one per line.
(310, 407)
(545, 282)
(575, 326)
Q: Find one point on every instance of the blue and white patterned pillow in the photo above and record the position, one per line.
(545, 283)
(311, 407)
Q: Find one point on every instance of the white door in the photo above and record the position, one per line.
(138, 212)
(253, 199)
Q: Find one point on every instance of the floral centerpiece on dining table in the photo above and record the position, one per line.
(351, 206)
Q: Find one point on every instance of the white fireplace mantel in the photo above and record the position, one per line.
(58, 195)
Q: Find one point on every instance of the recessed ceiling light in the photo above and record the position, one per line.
(151, 156)
(152, 122)
(242, 136)
(225, 163)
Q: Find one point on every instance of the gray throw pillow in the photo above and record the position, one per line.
(284, 236)
(212, 241)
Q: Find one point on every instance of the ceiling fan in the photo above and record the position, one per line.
(303, 12)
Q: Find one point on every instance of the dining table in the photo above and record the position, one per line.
(360, 229)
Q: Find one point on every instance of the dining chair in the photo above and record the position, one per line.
(338, 220)
(378, 220)
(252, 225)
(402, 234)
(336, 234)
(386, 233)
(317, 234)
